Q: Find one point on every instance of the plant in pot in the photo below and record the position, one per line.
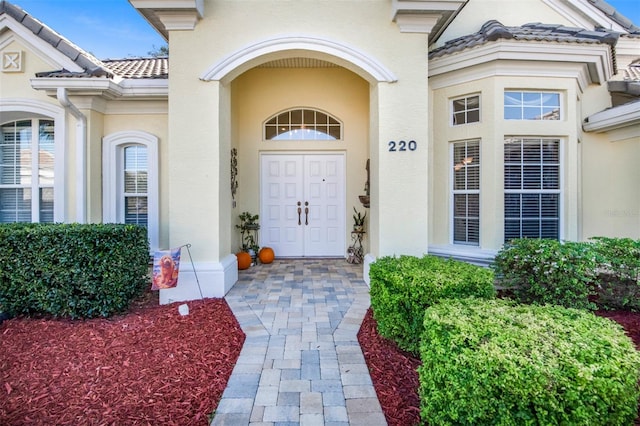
(358, 220)
(249, 227)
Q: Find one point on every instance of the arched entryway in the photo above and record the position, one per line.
(299, 73)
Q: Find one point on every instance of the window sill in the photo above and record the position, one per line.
(471, 254)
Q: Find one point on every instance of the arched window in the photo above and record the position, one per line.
(302, 124)
(130, 181)
(27, 160)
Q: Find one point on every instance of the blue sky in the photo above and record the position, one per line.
(114, 29)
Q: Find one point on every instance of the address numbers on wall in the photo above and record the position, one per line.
(401, 146)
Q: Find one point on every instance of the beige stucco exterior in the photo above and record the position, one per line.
(234, 64)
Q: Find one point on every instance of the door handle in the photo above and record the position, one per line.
(299, 212)
(306, 213)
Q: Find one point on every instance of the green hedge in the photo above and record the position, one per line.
(617, 282)
(403, 287)
(71, 270)
(603, 273)
(494, 362)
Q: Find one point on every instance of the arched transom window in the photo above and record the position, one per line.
(302, 124)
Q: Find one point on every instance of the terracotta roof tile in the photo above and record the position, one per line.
(494, 30)
(140, 67)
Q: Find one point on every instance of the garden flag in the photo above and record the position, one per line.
(165, 268)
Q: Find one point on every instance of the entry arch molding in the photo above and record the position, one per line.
(279, 47)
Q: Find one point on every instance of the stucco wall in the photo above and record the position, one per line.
(199, 111)
(611, 193)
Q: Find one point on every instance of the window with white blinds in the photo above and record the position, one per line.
(532, 188)
(135, 182)
(27, 171)
(302, 124)
(466, 192)
(466, 110)
(531, 105)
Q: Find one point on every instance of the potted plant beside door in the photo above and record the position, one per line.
(358, 220)
(249, 227)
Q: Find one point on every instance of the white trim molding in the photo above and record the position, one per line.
(112, 145)
(167, 15)
(280, 47)
(587, 63)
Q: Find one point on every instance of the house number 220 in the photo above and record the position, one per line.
(402, 146)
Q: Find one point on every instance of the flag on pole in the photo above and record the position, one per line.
(166, 264)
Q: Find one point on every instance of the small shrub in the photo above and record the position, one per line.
(617, 282)
(494, 362)
(542, 271)
(403, 287)
(71, 270)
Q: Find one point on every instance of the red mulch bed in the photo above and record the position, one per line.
(394, 375)
(150, 366)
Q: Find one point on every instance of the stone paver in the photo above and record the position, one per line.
(301, 363)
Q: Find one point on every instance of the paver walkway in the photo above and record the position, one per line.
(301, 363)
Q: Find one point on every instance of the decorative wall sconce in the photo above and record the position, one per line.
(234, 174)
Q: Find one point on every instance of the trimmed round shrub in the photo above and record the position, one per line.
(495, 362)
(403, 287)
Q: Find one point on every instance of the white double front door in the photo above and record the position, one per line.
(302, 209)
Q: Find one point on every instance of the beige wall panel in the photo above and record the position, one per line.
(611, 187)
(95, 132)
(16, 84)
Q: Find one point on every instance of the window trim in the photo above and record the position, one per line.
(16, 109)
(560, 191)
(452, 113)
(453, 192)
(113, 146)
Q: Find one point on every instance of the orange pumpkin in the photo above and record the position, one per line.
(244, 260)
(266, 255)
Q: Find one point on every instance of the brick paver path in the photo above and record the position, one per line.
(301, 363)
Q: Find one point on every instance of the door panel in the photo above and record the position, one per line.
(316, 181)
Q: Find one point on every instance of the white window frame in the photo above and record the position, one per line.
(559, 191)
(455, 192)
(113, 146)
(298, 128)
(18, 109)
(561, 105)
(466, 110)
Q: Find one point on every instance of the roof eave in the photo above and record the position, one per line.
(103, 88)
(623, 116)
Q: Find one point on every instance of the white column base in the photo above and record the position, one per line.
(216, 279)
(368, 260)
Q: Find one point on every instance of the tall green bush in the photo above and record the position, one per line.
(403, 287)
(494, 362)
(71, 270)
(617, 281)
(548, 271)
